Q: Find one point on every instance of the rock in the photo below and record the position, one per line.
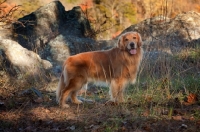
(6, 33)
(2, 59)
(35, 30)
(54, 34)
(22, 63)
(31, 91)
(1, 103)
(72, 128)
(173, 35)
(57, 69)
(77, 24)
(86, 100)
(65, 45)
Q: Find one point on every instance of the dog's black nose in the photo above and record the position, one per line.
(132, 45)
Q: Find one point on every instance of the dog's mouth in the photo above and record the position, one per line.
(132, 51)
(132, 48)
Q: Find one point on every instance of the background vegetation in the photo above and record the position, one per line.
(109, 18)
(165, 97)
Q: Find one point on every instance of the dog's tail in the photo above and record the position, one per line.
(63, 82)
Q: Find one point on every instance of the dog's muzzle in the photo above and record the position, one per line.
(132, 48)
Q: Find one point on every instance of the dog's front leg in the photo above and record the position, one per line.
(117, 90)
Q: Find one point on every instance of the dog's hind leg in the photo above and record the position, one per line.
(74, 98)
(77, 86)
(67, 91)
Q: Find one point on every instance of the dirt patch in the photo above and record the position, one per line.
(30, 112)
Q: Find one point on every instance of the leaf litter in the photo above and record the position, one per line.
(35, 110)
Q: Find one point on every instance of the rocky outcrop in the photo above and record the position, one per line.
(163, 38)
(170, 35)
(46, 37)
(21, 63)
(42, 41)
(63, 46)
(52, 22)
(35, 29)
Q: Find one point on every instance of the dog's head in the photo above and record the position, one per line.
(130, 42)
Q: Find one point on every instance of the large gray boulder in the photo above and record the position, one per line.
(164, 39)
(65, 45)
(46, 37)
(34, 30)
(169, 35)
(22, 64)
(37, 29)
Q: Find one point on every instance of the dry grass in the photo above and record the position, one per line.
(166, 97)
(160, 100)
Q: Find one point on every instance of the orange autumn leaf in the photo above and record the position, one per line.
(88, 4)
(191, 99)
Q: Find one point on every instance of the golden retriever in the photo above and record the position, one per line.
(117, 66)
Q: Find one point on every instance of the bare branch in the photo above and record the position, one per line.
(2, 2)
(6, 17)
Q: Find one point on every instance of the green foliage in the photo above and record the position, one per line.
(71, 1)
(108, 17)
(188, 83)
(129, 12)
(190, 55)
(30, 6)
(179, 80)
(195, 54)
(196, 114)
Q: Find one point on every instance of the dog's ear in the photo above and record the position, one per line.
(139, 40)
(120, 42)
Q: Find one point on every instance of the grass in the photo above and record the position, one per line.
(156, 101)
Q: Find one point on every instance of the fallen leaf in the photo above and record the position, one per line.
(123, 128)
(191, 99)
(177, 118)
(38, 100)
(192, 118)
(47, 111)
(147, 128)
(95, 128)
(146, 113)
(149, 98)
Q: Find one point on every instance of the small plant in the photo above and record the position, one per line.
(196, 114)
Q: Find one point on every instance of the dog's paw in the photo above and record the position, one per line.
(78, 101)
(75, 100)
(65, 106)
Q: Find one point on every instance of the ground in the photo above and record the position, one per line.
(36, 110)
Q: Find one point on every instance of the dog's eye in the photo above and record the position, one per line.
(134, 37)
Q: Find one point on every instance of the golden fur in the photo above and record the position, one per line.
(117, 66)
